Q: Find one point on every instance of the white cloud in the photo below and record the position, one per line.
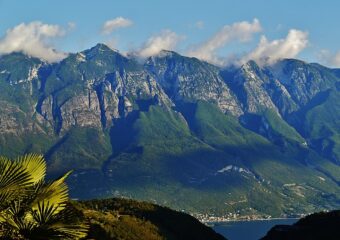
(166, 40)
(328, 58)
(268, 52)
(33, 39)
(239, 31)
(113, 24)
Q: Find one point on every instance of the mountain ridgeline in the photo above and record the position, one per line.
(178, 131)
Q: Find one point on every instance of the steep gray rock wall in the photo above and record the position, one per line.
(188, 79)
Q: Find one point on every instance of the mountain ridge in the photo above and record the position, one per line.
(163, 130)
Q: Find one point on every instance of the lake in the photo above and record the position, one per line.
(248, 230)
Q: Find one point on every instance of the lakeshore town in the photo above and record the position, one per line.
(230, 217)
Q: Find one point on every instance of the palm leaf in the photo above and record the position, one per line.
(55, 194)
(35, 165)
(13, 180)
(13, 174)
(44, 212)
(56, 224)
(12, 216)
(31, 209)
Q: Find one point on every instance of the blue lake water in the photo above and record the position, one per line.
(249, 230)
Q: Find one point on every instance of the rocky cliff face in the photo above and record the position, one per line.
(188, 79)
(302, 81)
(20, 83)
(251, 87)
(95, 87)
(99, 85)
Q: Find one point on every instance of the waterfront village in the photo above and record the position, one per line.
(229, 217)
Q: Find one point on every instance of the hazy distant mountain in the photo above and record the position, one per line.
(179, 131)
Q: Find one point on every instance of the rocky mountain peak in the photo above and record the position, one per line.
(189, 79)
(101, 47)
(167, 53)
(303, 81)
(18, 68)
(102, 51)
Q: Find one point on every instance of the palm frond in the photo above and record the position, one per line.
(12, 216)
(35, 165)
(55, 194)
(13, 174)
(57, 224)
(32, 209)
(44, 212)
(13, 179)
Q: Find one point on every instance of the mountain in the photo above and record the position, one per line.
(123, 219)
(323, 225)
(244, 140)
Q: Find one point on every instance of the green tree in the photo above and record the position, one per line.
(30, 208)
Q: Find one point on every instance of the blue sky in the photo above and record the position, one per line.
(190, 27)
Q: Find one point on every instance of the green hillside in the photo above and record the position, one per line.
(123, 219)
